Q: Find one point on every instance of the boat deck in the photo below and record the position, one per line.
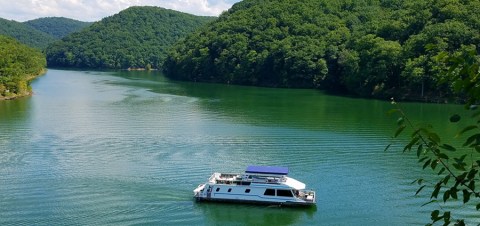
(246, 179)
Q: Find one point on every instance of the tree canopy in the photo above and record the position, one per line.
(39, 33)
(371, 48)
(137, 37)
(18, 64)
(58, 27)
(25, 34)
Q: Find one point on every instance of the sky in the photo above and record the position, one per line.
(95, 10)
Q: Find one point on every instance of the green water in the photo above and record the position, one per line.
(123, 148)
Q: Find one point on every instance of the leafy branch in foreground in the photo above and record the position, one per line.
(456, 169)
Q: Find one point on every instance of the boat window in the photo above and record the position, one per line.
(284, 193)
(218, 189)
(270, 192)
(247, 190)
(245, 183)
(229, 190)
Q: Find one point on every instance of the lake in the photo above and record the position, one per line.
(123, 148)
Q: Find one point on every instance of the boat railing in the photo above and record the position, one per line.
(306, 195)
(231, 178)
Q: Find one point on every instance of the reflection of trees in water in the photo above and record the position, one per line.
(245, 214)
(12, 111)
(303, 108)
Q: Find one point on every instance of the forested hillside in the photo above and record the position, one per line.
(25, 34)
(18, 64)
(137, 37)
(57, 27)
(378, 48)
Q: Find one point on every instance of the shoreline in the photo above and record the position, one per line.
(25, 94)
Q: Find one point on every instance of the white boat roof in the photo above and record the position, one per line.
(294, 183)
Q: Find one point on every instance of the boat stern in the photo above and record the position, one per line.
(197, 191)
(310, 197)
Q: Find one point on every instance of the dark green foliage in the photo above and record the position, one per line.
(458, 168)
(25, 34)
(18, 64)
(137, 37)
(57, 27)
(378, 48)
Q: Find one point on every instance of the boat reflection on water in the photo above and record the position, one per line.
(248, 214)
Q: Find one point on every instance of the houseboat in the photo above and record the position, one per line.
(259, 184)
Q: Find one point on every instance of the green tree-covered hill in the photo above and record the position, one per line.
(18, 64)
(25, 34)
(378, 48)
(57, 27)
(137, 37)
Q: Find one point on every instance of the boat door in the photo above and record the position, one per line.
(209, 192)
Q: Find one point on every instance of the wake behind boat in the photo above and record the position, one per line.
(259, 184)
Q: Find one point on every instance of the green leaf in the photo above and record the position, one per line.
(471, 140)
(477, 148)
(441, 170)
(387, 147)
(443, 156)
(426, 163)
(446, 195)
(436, 191)
(419, 150)
(420, 189)
(448, 147)
(445, 179)
(434, 164)
(420, 181)
(399, 130)
(431, 201)
(455, 118)
(460, 160)
(466, 129)
(458, 166)
(446, 218)
(471, 185)
(466, 196)
(478, 206)
(453, 193)
(435, 214)
(471, 174)
(460, 178)
(411, 143)
(400, 121)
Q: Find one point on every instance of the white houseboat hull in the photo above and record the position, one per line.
(255, 188)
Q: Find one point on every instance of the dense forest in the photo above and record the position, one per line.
(39, 33)
(137, 37)
(18, 64)
(371, 48)
(58, 27)
(25, 34)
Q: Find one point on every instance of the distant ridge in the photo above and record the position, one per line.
(40, 33)
(25, 34)
(57, 27)
(137, 37)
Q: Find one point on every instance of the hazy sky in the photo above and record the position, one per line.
(94, 10)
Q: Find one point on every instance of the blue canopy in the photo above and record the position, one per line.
(278, 170)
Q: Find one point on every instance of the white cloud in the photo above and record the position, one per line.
(94, 10)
